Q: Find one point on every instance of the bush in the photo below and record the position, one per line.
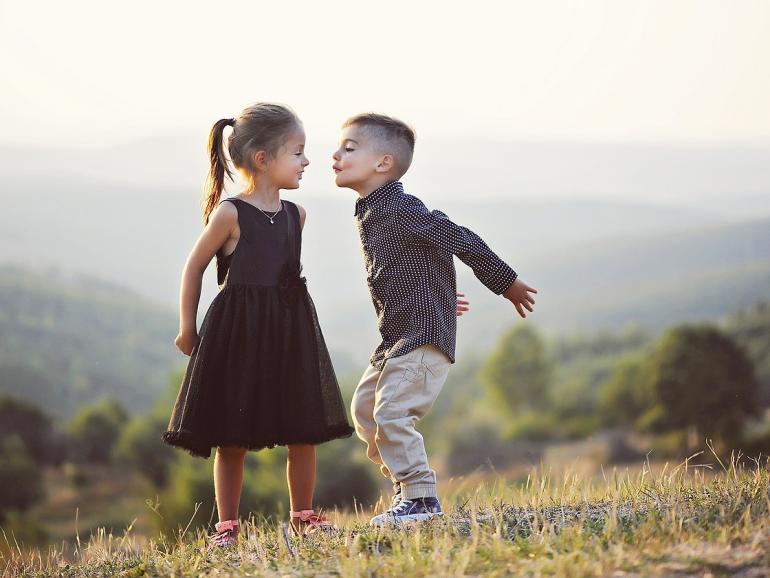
(518, 373)
(628, 394)
(76, 475)
(94, 430)
(30, 424)
(21, 479)
(24, 529)
(141, 448)
(703, 381)
(345, 474)
(532, 426)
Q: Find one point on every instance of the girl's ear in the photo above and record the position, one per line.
(386, 163)
(260, 160)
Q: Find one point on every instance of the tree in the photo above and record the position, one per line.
(750, 328)
(20, 477)
(628, 394)
(705, 382)
(518, 373)
(140, 447)
(95, 429)
(29, 423)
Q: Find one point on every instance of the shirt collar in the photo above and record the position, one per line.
(385, 191)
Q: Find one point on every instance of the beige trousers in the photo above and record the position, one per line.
(386, 406)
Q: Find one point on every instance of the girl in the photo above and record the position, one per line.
(259, 373)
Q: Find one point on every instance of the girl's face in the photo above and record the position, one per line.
(286, 168)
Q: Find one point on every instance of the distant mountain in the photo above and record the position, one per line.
(70, 340)
(723, 180)
(672, 233)
(649, 281)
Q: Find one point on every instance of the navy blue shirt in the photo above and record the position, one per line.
(410, 270)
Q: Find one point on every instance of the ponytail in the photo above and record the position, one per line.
(261, 126)
(218, 168)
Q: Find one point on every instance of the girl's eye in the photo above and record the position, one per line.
(349, 150)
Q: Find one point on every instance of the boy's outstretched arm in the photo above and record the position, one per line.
(437, 229)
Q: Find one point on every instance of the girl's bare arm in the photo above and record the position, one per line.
(222, 225)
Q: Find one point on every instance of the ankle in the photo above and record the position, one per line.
(232, 526)
(302, 515)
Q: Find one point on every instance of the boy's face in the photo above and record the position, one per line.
(357, 162)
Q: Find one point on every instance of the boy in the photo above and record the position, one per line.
(410, 272)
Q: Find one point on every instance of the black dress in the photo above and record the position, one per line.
(260, 375)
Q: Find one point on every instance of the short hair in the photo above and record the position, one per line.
(397, 137)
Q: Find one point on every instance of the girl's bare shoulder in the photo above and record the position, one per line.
(225, 215)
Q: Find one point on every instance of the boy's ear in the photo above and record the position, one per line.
(387, 162)
(260, 160)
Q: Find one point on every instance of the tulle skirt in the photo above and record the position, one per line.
(260, 375)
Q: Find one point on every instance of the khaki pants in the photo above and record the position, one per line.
(387, 404)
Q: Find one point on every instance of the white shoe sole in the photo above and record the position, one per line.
(386, 520)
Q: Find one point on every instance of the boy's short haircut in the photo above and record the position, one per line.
(396, 136)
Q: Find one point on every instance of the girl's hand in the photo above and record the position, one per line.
(463, 304)
(186, 342)
(519, 294)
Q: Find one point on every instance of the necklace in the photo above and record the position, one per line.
(273, 215)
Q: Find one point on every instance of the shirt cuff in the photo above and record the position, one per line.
(501, 279)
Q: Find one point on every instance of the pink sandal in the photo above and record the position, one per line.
(312, 522)
(226, 534)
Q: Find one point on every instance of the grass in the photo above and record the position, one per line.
(659, 521)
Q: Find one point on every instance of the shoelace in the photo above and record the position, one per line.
(403, 507)
(396, 498)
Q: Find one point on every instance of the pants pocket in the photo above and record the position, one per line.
(435, 361)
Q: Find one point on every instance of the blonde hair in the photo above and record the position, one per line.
(260, 127)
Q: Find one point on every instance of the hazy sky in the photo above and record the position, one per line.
(81, 73)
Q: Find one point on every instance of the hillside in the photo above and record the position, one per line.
(69, 340)
(598, 265)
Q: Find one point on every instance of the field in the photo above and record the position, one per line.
(704, 519)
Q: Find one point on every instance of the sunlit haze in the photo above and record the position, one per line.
(81, 73)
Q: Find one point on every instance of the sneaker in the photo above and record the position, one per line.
(309, 522)
(396, 495)
(406, 511)
(226, 535)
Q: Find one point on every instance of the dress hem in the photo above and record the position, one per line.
(202, 449)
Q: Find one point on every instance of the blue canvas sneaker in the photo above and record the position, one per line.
(406, 511)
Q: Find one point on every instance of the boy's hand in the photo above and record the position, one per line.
(463, 304)
(519, 294)
(186, 342)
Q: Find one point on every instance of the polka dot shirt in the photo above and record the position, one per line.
(410, 270)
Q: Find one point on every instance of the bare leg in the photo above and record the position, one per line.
(228, 480)
(300, 475)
